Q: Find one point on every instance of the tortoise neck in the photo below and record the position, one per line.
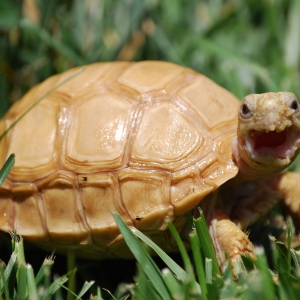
(247, 172)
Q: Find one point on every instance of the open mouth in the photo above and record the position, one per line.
(273, 145)
(271, 139)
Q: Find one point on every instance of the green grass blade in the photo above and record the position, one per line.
(214, 48)
(173, 284)
(208, 270)
(144, 289)
(99, 294)
(32, 289)
(112, 296)
(38, 101)
(22, 282)
(287, 290)
(9, 270)
(43, 274)
(56, 285)
(3, 284)
(267, 290)
(296, 259)
(289, 243)
(206, 243)
(191, 284)
(19, 248)
(196, 250)
(292, 43)
(63, 49)
(7, 167)
(72, 270)
(84, 289)
(176, 269)
(143, 258)
(187, 263)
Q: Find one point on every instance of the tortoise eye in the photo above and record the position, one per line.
(295, 106)
(245, 111)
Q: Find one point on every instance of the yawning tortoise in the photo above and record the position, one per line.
(151, 141)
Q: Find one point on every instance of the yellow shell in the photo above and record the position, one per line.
(148, 140)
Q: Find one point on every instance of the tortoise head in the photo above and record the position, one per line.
(268, 137)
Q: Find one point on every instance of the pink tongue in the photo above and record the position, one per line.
(270, 139)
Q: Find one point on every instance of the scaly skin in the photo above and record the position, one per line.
(268, 140)
(288, 186)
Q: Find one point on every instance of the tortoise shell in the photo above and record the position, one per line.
(148, 140)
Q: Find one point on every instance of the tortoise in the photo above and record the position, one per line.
(151, 141)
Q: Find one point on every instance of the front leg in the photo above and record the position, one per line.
(228, 238)
(288, 185)
(253, 200)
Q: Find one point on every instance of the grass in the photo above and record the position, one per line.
(249, 46)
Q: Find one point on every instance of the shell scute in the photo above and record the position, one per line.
(144, 77)
(95, 77)
(34, 143)
(98, 133)
(215, 170)
(217, 106)
(100, 196)
(188, 189)
(27, 212)
(6, 207)
(64, 217)
(166, 138)
(145, 195)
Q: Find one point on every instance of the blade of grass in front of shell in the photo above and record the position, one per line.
(174, 267)
(7, 167)
(200, 271)
(206, 243)
(39, 100)
(190, 281)
(19, 248)
(144, 259)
